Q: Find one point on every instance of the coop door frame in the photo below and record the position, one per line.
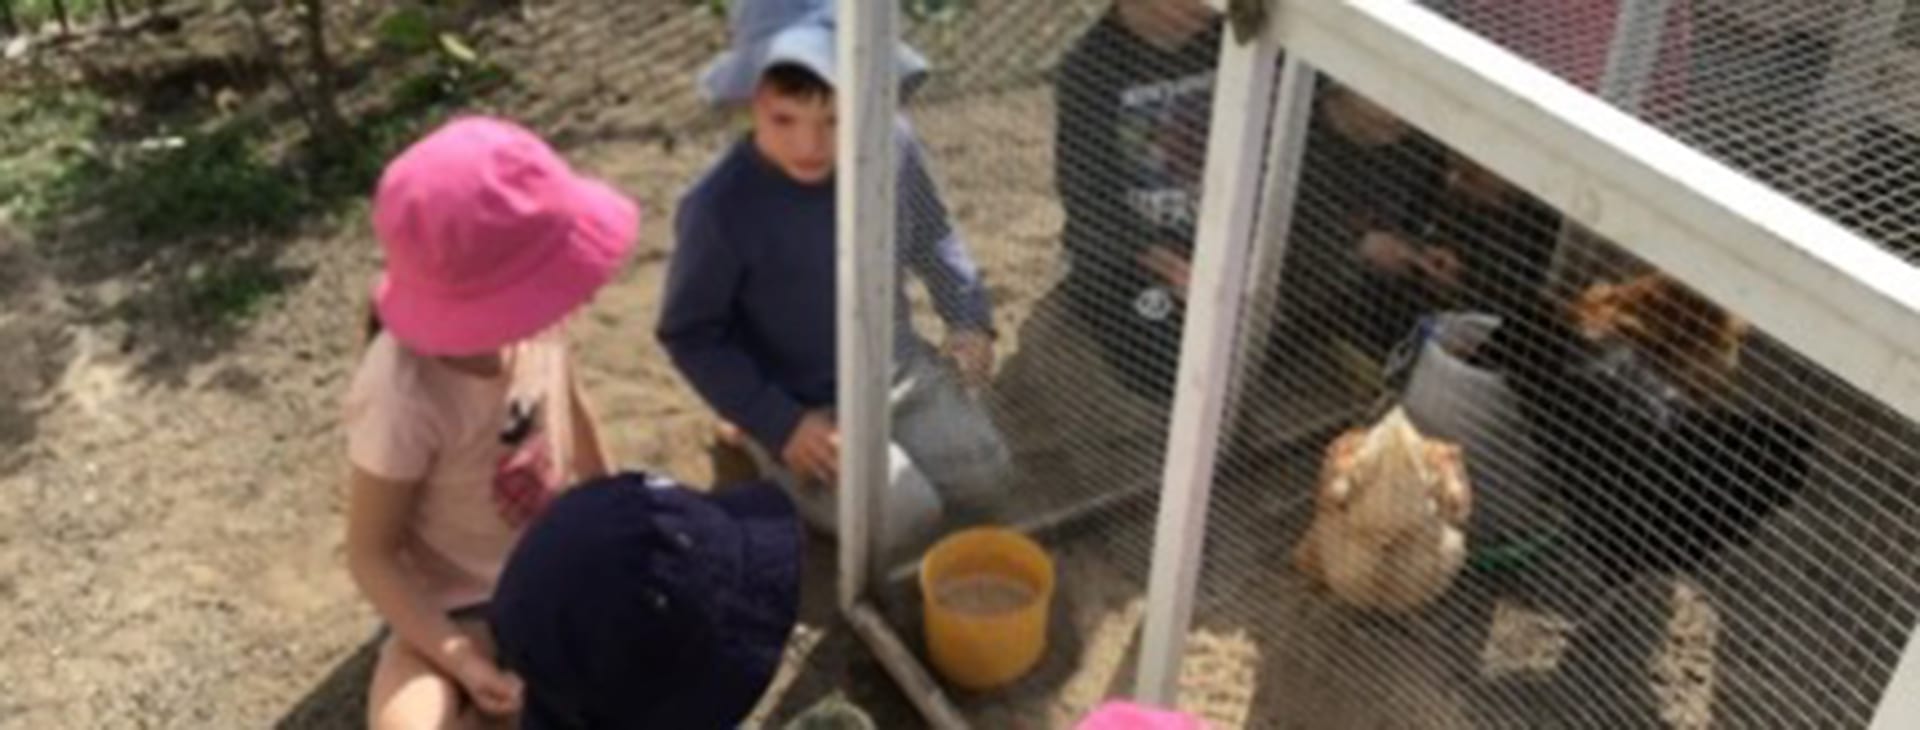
(867, 105)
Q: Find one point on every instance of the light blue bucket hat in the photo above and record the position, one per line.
(766, 33)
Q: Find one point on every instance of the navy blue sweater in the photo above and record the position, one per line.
(749, 312)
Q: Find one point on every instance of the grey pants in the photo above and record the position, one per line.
(945, 454)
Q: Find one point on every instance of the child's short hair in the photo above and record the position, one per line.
(795, 81)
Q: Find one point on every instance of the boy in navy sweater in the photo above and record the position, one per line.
(1133, 98)
(749, 315)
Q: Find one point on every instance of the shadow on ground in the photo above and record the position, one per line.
(339, 702)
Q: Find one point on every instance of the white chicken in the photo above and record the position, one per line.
(1389, 517)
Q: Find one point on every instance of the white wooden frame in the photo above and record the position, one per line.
(1900, 705)
(1224, 243)
(867, 102)
(867, 165)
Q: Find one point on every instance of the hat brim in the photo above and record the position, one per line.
(751, 545)
(432, 323)
(756, 628)
(733, 76)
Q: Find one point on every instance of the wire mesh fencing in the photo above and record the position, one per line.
(1066, 142)
(1462, 488)
(630, 69)
(1821, 100)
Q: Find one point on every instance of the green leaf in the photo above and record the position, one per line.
(458, 50)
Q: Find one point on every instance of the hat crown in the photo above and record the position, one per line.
(471, 206)
(754, 21)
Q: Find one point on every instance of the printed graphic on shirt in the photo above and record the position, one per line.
(527, 476)
(1162, 134)
(1154, 304)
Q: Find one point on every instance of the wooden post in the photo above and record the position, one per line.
(1273, 228)
(865, 229)
(1242, 106)
(920, 687)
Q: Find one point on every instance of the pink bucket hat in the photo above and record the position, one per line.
(490, 238)
(1121, 715)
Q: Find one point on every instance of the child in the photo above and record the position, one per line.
(464, 418)
(1133, 99)
(638, 603)
(1357, 271)
(749, 315)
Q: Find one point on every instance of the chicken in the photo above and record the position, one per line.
(1388, 527)
(1686, 337)
(1660, 465)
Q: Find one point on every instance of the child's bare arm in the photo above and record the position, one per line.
(589, 452)
(377, 515)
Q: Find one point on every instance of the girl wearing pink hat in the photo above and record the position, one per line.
(464, 417)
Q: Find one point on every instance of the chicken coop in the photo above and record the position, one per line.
(1380, 363)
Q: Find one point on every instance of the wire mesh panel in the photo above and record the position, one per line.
(646, 57)
(1818, 99)
(1451, 495)
(1065, 142)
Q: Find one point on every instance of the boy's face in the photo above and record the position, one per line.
(795, 132)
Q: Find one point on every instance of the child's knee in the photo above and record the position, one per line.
(407, 693)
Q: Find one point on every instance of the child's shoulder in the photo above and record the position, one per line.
(387, 373)
(730, 176)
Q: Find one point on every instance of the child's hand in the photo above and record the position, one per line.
(813, 451)
(1441, 266)
(972, 354)
(728, 434)
(1170, 268)
(1387, 252)
(495, 691)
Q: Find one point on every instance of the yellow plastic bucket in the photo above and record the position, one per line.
(986, 593)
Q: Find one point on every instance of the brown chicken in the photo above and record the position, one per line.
(1683, 334)
(1388, 527)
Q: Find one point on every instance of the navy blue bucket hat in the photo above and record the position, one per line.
(634, 602)
(767, 33)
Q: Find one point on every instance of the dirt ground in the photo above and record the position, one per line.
(170, 504)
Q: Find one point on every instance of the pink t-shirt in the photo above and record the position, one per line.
(488, 453)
